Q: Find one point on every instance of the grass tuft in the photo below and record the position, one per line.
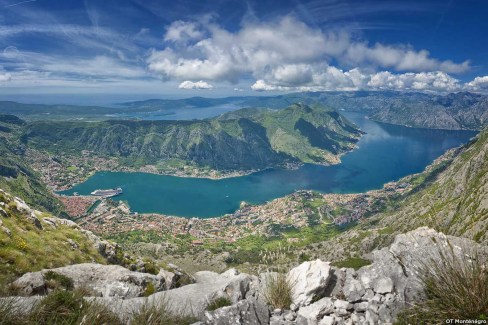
(278, 290)
(456, 287)
(159, 314)
(11, 312)
(69, 307)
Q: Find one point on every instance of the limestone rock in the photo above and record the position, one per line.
(101, 280)
(193, 299)
(50, 221)
(30, 283)
(22, 206)
(243, 312)
(353, 290)
(311, 314)
(310, 279)
(33, 218)
(169, 278)
(383, 285)
(67, 222)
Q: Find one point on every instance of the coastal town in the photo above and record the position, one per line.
(109, 216)
(300, 209)
(64, 171)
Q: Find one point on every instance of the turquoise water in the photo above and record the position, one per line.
(385, 153)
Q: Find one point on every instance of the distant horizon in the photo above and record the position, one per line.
(113, 100)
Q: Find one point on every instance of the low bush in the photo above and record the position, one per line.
(149, 289)
(219, 303)
(352, 262)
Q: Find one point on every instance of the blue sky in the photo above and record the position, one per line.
(225, 48)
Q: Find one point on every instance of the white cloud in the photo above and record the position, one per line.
(400, 58)
(423, 81)
(180, 31)
(99, 66)
(195, 85)
(283, 53)
(320, 79)
(4, 77)
(331, 78)
(478, 83)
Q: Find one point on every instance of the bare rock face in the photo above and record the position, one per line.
(3, 213)
(374, 294)
(100, 280)
(192, 299)
(310, 279)
(249, 311)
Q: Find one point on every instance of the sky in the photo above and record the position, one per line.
(149, 48)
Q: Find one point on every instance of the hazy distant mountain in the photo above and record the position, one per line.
(454, 111)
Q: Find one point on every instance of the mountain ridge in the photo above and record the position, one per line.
(242, 140)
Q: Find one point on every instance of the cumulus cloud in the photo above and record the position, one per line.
(318, 79)
(332, 78)
(423, 81)
(478, 83)
(195, 85)
(285, 53)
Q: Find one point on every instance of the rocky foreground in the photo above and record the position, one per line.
(322, 294)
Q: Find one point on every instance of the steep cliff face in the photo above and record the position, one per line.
(241, 140)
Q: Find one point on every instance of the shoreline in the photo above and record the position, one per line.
(197, 173)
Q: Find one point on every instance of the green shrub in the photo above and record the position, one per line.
(219, 303)
(278, 290)
(352, 262)
(56, 281)
(456, 287)
(151, 267)
(149, 289)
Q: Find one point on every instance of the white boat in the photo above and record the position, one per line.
(108, 193)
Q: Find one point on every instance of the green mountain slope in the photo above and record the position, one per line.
(247, 139)
(16, 176)
(31, 240)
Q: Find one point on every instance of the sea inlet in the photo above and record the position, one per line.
(385, 153)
